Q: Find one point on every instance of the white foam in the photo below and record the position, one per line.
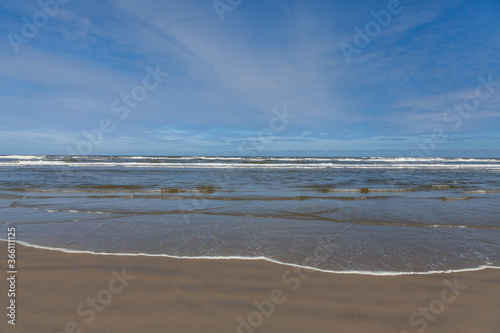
(374, 273)
(229, 165)
(448, 226)
(481, 191)
(221, 158)
(22, 157)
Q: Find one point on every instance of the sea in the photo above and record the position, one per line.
(366, 215)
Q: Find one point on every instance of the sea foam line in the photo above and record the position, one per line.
(271, 166)
(373, 273)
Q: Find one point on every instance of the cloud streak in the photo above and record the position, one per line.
(226, 77)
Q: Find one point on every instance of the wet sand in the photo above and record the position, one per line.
(67, 292)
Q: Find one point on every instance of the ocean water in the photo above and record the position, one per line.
(370, 214)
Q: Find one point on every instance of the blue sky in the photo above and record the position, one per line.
(228, 71)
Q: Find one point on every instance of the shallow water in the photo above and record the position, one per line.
(340, 214)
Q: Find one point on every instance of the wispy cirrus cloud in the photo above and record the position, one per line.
(226, 77)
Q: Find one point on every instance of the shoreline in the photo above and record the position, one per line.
(67, 292)
(308, 268)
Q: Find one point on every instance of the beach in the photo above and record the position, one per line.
(243, 244)
(377, 214)
(241, 166)
(160, 294)
(250, 166)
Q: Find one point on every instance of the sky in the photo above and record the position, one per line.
(241, 77)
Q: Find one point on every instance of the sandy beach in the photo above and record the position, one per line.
(67, 292)
(233, 166)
